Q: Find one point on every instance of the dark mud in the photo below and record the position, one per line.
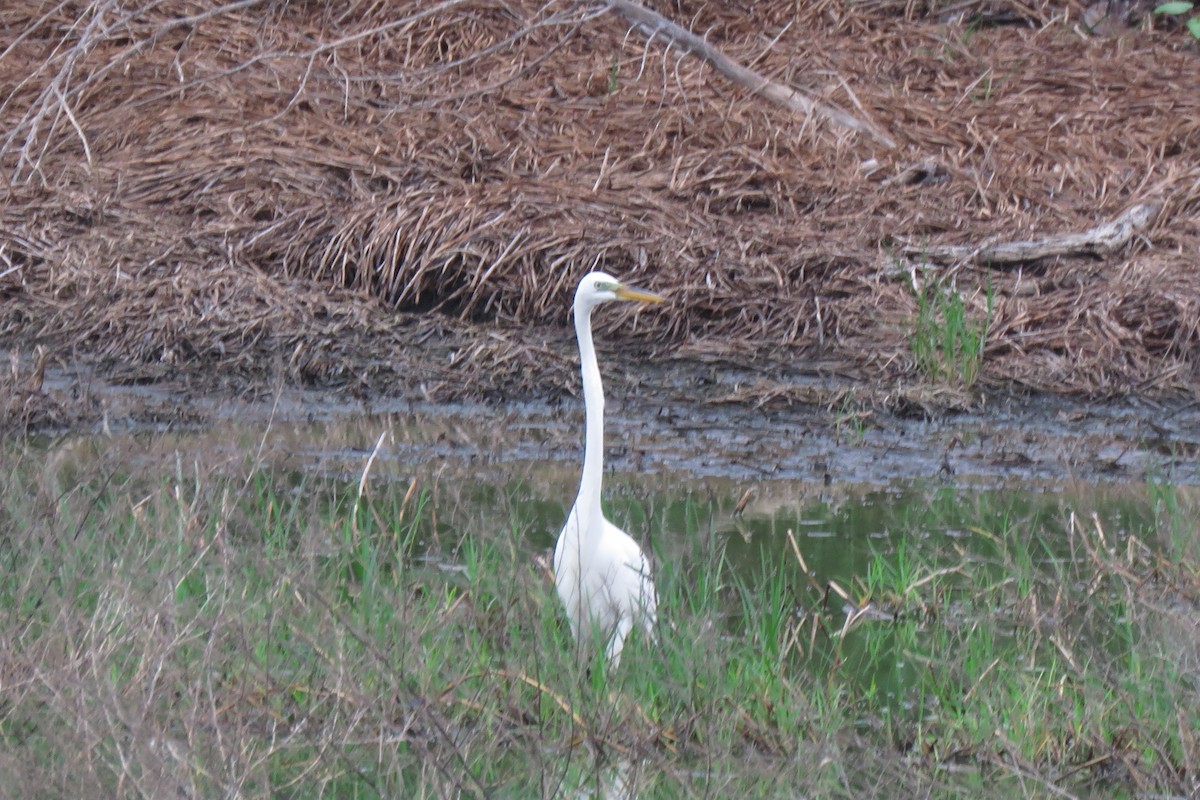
(702, 421)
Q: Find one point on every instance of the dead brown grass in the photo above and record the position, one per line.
(258, 185)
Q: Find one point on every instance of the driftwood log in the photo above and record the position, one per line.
(1100, 240)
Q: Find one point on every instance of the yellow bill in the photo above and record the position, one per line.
(640, 295)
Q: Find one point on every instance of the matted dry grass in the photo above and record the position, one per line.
(263, 185)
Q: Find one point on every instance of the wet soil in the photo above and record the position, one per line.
(678, 417)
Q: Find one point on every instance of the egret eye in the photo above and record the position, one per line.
(607, 286)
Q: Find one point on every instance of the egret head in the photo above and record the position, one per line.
(600, 287)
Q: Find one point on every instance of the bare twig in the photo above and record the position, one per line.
(654, 24)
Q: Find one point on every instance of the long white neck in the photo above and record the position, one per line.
(587, 504)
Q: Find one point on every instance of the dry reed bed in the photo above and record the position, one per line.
(260, 185)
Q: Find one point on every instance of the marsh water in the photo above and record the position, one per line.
(853, 516)
(827, 498)
(846, 489)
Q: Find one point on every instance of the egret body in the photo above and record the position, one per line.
(602, 576)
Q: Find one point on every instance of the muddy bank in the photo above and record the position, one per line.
(674, 418)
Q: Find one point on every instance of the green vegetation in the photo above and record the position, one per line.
(201, 634)
(1180, 8)
(947, 343)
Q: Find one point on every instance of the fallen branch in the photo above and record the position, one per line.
(653, 24)
(1100, 240)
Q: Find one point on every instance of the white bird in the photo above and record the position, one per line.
(602, 576)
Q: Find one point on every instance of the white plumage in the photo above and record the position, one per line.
(602, 576)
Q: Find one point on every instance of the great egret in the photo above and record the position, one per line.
(602, 576)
